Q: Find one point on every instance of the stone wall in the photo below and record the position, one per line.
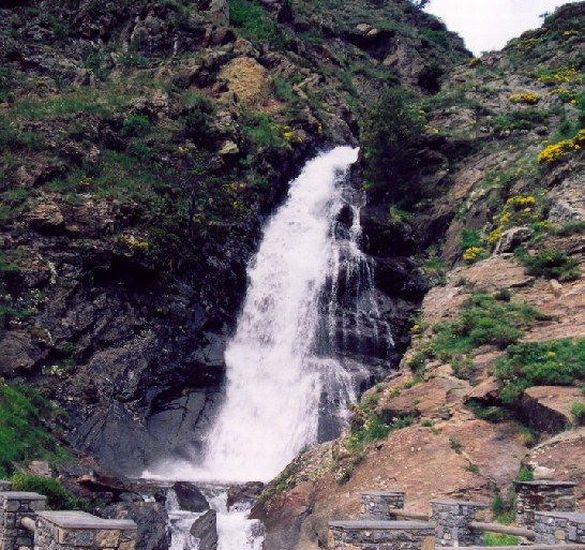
(542, 496)
(452, 520)
(82, 531)
(15, 505)
(559, 528)
(57, 530)
(382, 535)
(377, 505)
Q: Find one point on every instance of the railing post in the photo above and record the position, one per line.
(542, 496)
(82, 531)
(559, 528)
(378, 505)
(452, 521)
(14, 506)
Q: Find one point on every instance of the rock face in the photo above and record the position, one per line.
(548, 408)
(136, 181)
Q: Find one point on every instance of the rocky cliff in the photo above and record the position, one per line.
(143, 144)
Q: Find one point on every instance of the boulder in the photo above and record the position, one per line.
(152, 521)
(486, 392)
(189, 497)
(511, 238)
(46, 218)
(548, 408)
(38, 468)
(204, 529)
(229, 149)
(243, 496)
(562, 455)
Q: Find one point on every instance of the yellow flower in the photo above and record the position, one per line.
(494, 236)
(528, 98)
(555, 152)
(473, 254)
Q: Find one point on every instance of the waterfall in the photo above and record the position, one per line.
(293, 364)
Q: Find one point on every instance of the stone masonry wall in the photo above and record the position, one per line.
(542, 496)
(377, 505)
(559, 528)
(396, 535)
(452, 519)
(14, 506)
(81, 531)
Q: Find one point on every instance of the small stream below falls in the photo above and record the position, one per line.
(294, 363)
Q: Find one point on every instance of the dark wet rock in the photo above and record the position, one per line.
(190, 497)
(384, 239)
(151, 519)
(243, 496)
(204, 529)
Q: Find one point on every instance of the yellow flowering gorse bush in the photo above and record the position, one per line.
(565, 75)
(557, 151)
(474, 253)
(528, 98)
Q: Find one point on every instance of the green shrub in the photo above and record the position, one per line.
(482, 320)
(558, 363)
(470, 238)
(456, 445)
(374, 429)
(253, 23)
(261, 132)
(389, 135)
(525, 474)
(496, 539)
(578, 412)
(570, 228)
(440, 38)
(551, 264)
(136, 125)
(524, 119)
(58, 498)
(23, 433)
(504, 509)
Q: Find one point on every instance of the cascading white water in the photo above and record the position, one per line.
(310, 298)
(274, 379)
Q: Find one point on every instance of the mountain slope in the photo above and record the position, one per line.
(492, 383)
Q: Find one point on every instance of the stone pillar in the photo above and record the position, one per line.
(382, 535)
(14, 506)
(5, 486)
(559, 528)
(452, 519)
(378, 505)
(82, 531)
(542, 496)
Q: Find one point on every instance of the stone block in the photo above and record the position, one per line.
(107, 538)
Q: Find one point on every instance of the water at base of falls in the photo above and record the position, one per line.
(235, 530)
(310, 298)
